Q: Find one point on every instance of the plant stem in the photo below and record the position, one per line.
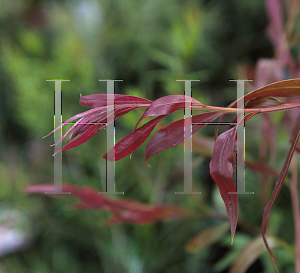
(295, 206)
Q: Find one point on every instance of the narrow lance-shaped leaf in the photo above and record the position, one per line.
(165, 106)
(260, 103)
(221, 170)
(90, 130)
(134, 140)
(286, 88)
(80, 128)
(80, 115)
(123, 104)
(277, 189)
(264, 97)
(88, 134)
(99, 100)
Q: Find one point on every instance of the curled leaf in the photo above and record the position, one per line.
(263, 102)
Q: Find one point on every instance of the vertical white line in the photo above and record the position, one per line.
(188, 171)
(57, 138)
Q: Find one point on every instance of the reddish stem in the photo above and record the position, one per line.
(295, 206)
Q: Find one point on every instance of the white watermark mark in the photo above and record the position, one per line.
(110, 138)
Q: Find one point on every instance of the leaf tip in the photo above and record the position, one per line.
(56, 153)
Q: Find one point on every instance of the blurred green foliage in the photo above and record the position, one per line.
(148, 44)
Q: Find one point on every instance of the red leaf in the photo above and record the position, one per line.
(80, 115)
(287, 88)
(88, 134)
(80, 128)
(84, 132)
(166, 105)
(221, 170)
(278, 187)
(100, 100)
(123, 210)
(263, 102)
(122, 105)
(146, 214)
(134, 140)
(173, 134)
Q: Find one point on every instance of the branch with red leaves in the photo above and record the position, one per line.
(261, 100)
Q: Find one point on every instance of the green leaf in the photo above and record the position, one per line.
(207, 237)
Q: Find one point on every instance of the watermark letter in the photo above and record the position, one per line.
(57, 137)
(188, 172)
(110, 139)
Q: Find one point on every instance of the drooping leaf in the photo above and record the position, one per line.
(134, 140)
(221, 170)
(277, 189)
(207, 237)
